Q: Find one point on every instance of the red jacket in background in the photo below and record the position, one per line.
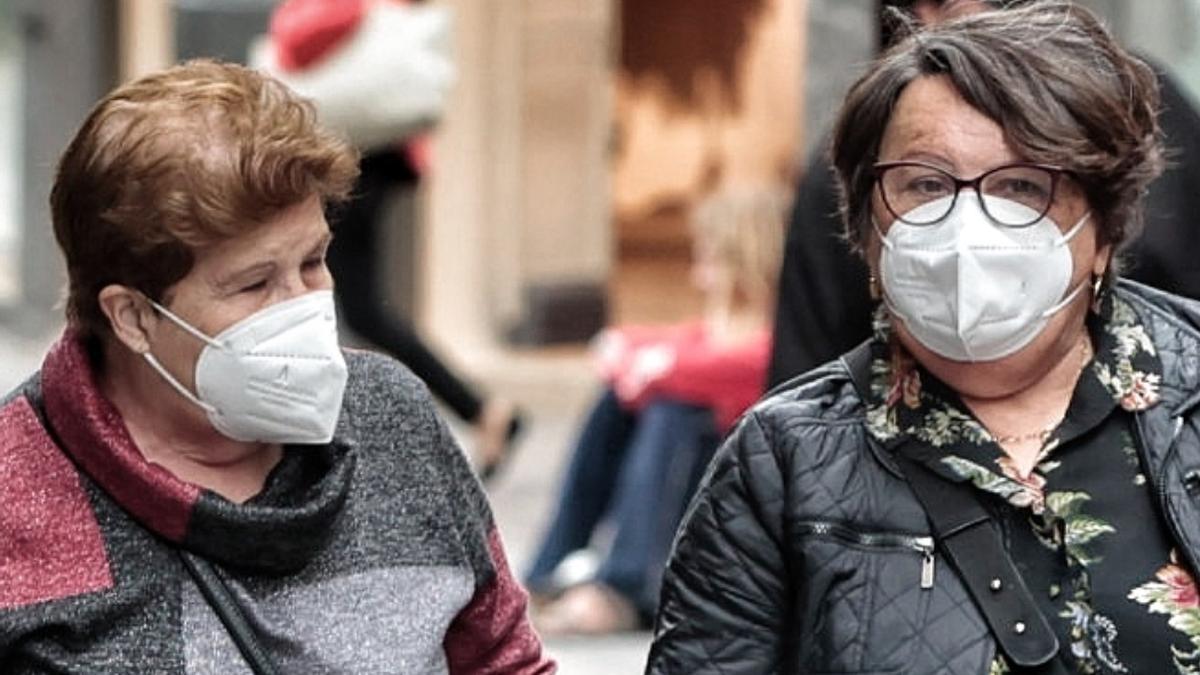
(682, 363)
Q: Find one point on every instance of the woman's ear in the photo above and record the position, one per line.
(129, 315)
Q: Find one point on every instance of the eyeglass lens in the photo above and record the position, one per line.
(909, 186)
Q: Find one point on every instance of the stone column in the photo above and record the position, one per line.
(517, 229)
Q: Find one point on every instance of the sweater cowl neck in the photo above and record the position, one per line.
(277, 531)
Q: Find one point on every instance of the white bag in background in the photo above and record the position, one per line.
(387, 81)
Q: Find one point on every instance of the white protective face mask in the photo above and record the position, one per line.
(971, 290)
(276, 376)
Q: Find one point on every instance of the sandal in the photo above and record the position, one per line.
(587, 609)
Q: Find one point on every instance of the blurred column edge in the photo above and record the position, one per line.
(69, 60)
(517, 243)
(146, 37)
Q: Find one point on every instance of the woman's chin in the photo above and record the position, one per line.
(992, 379)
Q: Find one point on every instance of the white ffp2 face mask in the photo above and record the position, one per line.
(277, 376)
(970, 290)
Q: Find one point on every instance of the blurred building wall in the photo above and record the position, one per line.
(68, 60)
(523, 203)
(842, 39)
(708, 95)
(517, 235)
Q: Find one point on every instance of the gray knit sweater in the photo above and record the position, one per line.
(375, 553)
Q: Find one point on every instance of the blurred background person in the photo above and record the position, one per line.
(379, 71)
(824, 304)
(670, 394)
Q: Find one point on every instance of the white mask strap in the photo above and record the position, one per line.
(882, 237)
(185, 325)
(154, 363)
(1070, 234)
(176, 383)
(1065, 301)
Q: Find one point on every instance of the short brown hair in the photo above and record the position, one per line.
(180, 160)
(1053, 78)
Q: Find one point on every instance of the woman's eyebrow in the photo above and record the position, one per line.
(238, 276)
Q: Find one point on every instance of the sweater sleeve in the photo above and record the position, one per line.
(492, 634)
(723, 607)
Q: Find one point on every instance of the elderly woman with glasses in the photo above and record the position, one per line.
(1006, 477)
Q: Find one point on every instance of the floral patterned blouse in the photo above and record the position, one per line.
(1083, 527)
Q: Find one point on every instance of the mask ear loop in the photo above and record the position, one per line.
(1070, 234)
(176, 384)
(1065, 301)
(162, 371)
(195, 332)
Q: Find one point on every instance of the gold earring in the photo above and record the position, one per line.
(1097, 289)
(873, 287)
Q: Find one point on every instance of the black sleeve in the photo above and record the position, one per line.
(724, 603)
(824, 305)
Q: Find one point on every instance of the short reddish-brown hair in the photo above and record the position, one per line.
(177, 161)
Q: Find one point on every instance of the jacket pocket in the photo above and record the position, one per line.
(864, 598)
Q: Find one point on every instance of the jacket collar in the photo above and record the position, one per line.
(1173, 324)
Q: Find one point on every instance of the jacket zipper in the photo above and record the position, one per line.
(920, 544)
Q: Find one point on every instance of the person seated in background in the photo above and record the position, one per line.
(199, 479)
(670, 393)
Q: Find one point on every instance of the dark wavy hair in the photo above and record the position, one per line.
(1054, 79)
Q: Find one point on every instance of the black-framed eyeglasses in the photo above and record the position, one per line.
(922, 194)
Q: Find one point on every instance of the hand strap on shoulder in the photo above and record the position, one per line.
(972, 544)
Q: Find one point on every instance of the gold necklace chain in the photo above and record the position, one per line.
(1085, 353)
(1040, 434)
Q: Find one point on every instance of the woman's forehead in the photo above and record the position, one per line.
(932, 122)
(289, 235)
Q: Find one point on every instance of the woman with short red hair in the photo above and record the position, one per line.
(199, 479)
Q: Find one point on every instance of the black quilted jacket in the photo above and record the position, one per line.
(804, 550)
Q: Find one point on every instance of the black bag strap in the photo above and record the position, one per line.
(971, 542)
(972, 545)
(218, 595)
(211, 585)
